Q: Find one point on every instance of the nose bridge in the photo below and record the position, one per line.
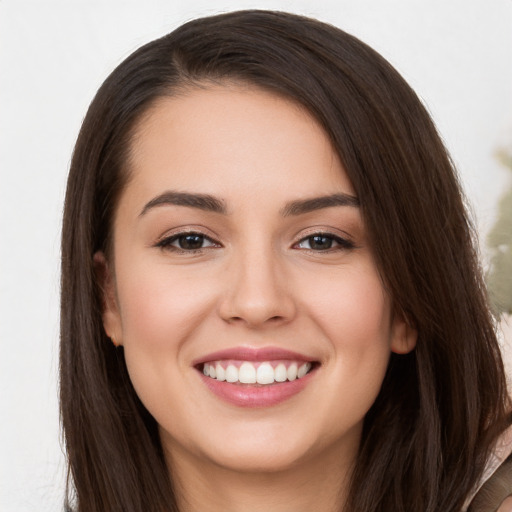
(257, 291)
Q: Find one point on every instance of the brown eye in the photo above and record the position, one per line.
(324, 242)
(187, 242)
(320, 243)
(190, 242)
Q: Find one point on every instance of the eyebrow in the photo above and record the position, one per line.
(303, 206)
(212, 204)
(201, 201)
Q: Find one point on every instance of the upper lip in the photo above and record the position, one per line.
(252, 354)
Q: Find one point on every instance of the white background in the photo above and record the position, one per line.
(457, 54)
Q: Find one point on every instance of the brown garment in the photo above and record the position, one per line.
(494, 492)
(492, 496)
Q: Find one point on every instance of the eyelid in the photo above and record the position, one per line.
(344, 240)
(170, 236)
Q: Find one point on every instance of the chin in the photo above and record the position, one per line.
(254, 459)
(277, 447)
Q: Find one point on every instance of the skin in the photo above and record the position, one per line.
(506, 506)
(257, 283)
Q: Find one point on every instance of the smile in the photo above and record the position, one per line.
(263, 373)
(248, 377)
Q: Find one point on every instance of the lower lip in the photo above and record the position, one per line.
(248, 395)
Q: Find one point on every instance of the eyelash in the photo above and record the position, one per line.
(167, 243)
(343, 243)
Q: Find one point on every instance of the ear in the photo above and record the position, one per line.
(403, 335)
(110, 310)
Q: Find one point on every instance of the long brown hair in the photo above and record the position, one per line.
(427, 437)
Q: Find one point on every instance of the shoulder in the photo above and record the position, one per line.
(495, 491)
(506, 505)
(495, 495)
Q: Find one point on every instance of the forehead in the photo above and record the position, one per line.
(228, 140)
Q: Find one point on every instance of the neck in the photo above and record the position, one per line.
(320, 484)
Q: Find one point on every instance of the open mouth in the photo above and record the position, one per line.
(256, 377)
(258, 373)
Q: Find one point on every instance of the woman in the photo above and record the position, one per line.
(270, 296)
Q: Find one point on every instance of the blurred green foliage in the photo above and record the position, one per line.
(499, 240)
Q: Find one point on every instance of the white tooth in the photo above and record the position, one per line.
(291, 373)
(213, 373)
(303, 370)
(221, 373)
(206, 369)
(265, 374)
(247, 373)
(231, 373)
(280, 373)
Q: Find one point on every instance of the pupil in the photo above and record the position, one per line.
(320, 242)
(191, 241)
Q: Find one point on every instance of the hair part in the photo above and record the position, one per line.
(427, 437)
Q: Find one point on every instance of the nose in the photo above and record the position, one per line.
(257, 292)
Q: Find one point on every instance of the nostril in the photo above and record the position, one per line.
(256, 300)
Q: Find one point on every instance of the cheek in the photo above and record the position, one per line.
(354, 314)
(161, 310)
(160, 306)
(352, 308)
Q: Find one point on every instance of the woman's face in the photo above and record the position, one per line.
(240, 251)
